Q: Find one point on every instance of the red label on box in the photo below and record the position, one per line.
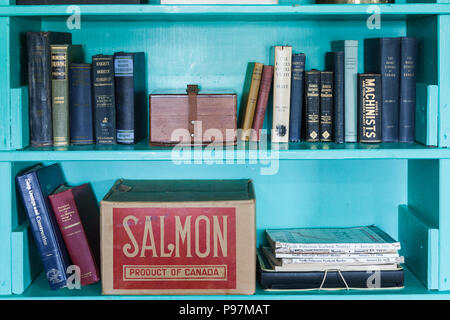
(174, 248)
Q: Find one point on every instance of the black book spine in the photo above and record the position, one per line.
(81, 112)
(326, 106)
(335, 62)
(297, 88)
(40, 84)
(104, 100)
(369, 102)
(407, 89)
(129, 80)
(312, 106)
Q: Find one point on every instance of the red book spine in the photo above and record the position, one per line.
(69, 222)
(261, 105)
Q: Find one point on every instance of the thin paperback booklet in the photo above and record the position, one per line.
(365, 239)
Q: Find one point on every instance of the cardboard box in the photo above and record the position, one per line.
(178, 237)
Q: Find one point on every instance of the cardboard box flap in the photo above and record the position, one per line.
(180, 190)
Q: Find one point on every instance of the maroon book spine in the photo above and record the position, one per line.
(66, 207)
(261, 105)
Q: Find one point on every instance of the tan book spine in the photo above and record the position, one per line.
(281, 93)
(251, 101)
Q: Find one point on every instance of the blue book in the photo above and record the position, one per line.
(350, 49)
(34, 186)
(335, 63)
(297, 97)
(80, 106)
(382, 55)
(130, 96)
(407, 89)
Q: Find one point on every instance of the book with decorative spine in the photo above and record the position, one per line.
(282, 56)
(369, 101)
(250, 99)
(61, 57)
(312, 106)
(261, 105)
(326, 106)
(297, 96)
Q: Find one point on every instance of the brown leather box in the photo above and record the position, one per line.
(193, 118)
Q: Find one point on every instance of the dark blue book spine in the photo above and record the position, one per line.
(129, 81)
(80, 107)
(407, 89)
(335, 62)
(382, 55)
(45, 230)
(297, 96)
(104, 99)
(312, 106)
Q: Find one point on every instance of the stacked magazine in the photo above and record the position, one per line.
(330, 258)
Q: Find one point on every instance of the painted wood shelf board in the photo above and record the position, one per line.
(413, 290)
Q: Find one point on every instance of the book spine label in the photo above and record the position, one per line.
(339, 97)
(369, 108)
(104, 100)
(407, 89)
(68, 218)
(124, 90)
(312, 107)
(281, 93)
(80, 106)
(261, 105)
(251, 101)
(39, 217)
(326, 106)
(39, 88)
(60, 94)
(297, 88)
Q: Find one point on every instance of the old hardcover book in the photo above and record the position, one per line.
(34, 186)
(335, 62)
(382, 56)
(61, 57)
(326, 106)
(131, 97)
(104, 99)
(250, 99)
(350, 49)
(364, 239)
(370, 114)
(81, 114)
(408, 57)
(282, 56)
(40, 84)
(261, 105)
(312, 106)
(77, 213)
(297, 96)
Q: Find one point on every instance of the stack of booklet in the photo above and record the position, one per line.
(330, 258)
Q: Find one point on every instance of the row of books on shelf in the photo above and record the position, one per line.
(337, 104)
(78, 103)
(145, 238)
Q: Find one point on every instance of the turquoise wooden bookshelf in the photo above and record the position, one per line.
(402, 188)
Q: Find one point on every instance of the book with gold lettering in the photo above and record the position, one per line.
(250, 98)
(61, 57)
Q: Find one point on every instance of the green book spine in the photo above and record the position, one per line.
(61, 57)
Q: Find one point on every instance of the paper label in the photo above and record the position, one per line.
(174, 248)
